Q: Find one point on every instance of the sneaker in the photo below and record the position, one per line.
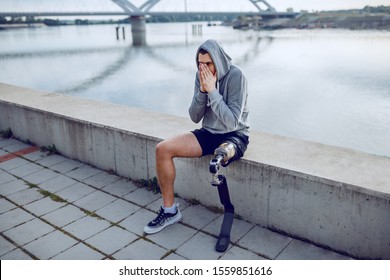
(163, 220)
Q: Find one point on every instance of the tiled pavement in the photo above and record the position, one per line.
(53, 207)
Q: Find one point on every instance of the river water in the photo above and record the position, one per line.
(329, 86)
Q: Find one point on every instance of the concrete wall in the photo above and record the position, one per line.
(331, 196)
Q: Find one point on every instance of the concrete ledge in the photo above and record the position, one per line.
(334, 197)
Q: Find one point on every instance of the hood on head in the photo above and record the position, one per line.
(221, 59)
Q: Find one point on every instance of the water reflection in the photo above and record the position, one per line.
(152, 52)
(99, 77)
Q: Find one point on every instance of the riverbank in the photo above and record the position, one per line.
(324, 20)
(21, 25)
(366, 18)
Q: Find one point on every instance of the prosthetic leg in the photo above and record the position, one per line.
(222, 156)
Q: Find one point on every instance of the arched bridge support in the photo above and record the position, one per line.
(137, 16)
(138, 30)
(269, 7)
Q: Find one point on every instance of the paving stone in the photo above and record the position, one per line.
(237, 253)
(239, 228)
(141, 250)
(117, 210)
(13, 187)
(83, 172)
(13, 218)
(198, 216)
(64, 216)
(5, 178)
(79, 252)
(66, 166)
(57, 183)
(4, 142)
(41, 176)
(50, 160)
(112, 240)
(86, 227)
(5, 247)
(6, 206)
(142, 197)
(50, 245)
(264, 242)
(120, 188)
(25, 169)
(16, 146)
(43, 206)
(298, 250)
(16, 254)
(36, 156)
(95, 201)
(7, 142)
(136, 222)
(199, 247)
(75, 192)
(101, 180)
(13, 163)
(173, 236)
(25, 196)
(28, 231)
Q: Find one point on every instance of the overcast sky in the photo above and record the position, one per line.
(165, 5)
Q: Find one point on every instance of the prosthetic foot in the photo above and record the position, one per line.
(222, 156)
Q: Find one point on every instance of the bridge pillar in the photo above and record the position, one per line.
(138, 30)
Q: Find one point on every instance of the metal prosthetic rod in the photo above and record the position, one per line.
(222, 155)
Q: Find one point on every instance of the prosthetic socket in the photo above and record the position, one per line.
(222, 155)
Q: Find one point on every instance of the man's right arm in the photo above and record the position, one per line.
(198, 106)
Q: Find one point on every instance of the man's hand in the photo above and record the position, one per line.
(207, 79)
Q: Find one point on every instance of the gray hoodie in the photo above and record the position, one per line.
(225, 109)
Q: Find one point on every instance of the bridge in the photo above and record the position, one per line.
(42, 8)
(137, 10)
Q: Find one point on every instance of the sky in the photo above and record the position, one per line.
(170, 5)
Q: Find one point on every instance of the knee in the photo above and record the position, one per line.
(162, 150)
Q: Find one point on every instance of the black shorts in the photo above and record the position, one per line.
(209, 141)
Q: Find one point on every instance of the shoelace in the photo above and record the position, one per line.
(160, 217)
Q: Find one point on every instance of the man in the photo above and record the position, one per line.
(220, 100)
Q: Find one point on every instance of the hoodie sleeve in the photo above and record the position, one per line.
(198, 105)
(229, 112)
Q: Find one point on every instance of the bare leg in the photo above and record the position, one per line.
(185, 145)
